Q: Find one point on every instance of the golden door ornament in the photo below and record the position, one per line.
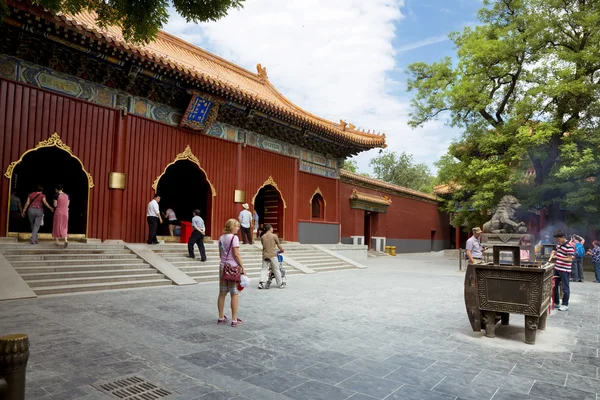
(189, 156)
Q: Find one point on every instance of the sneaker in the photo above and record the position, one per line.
(563, 308)
(260, 285)
(223, 320)
(188, 256)
(237, 322)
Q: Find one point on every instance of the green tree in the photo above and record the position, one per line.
(139, 20)
(401, 169)
(525, 90)
(350, 165)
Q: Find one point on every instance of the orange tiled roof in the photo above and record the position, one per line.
(385, 185)
(371, 198)
(223, 75)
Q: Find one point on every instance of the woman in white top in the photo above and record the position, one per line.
(172, 220)
(229, 252)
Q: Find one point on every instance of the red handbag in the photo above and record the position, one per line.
(231, 272)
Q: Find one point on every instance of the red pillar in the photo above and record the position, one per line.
(295, 211)
(338, 206)
(115, 231)
(239, 184)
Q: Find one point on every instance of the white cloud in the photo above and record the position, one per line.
(422, 43)
(331, 57)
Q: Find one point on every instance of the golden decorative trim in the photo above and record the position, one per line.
(318, 191)
(53, 141)
(189, 156)
(117, 180)
(270, 182)
(239, 196)
(370, 198)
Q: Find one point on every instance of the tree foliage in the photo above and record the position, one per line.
(401, 169)
(350, 165)
(525, 90)
(139, 20)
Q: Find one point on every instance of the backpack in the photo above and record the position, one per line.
(580, 250)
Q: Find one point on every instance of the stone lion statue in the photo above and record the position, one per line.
(503, 220)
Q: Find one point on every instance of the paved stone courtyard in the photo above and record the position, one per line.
(397, 330)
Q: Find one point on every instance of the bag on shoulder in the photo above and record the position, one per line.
(231, 272)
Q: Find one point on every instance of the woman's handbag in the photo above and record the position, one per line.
(231, 272)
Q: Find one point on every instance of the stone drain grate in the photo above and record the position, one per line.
(134, 388)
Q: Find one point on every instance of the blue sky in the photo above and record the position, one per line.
(344, 59)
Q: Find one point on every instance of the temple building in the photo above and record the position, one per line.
(115, 123)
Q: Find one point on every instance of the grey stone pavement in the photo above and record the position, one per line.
(397, 330)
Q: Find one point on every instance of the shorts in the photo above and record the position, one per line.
(173, 222)
(227, 286)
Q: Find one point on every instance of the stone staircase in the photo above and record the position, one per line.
(314, 258)
(209, 271)
(48, 269)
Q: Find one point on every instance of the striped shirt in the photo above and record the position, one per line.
(562, 252)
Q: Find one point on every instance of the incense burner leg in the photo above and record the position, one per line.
(504, 317)
(489, 321)
(542, 323)
(531, 327)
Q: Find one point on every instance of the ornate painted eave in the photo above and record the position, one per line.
(376, 184)
(369, 202)
(213, 73)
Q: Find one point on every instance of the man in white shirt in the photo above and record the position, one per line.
(153, 217)
(474, 249)
(197, 237)
(245, 219)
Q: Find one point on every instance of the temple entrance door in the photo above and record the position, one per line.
(367, 232)
(49, 166)
(269, 205)
(184, 187)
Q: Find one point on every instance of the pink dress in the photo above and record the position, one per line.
(61, 217)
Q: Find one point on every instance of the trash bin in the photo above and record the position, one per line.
(393, 251)
(186, 231)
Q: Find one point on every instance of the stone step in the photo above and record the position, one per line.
(94, 279)
(51, 246)
(87, 274)
(308, 258)
(209, 259)
(63, 289)
(78, 268)
(316, 264)
(68, 251)
(64, 257)
(334, 268)
(41, 263)
(208, 264)
(201, 270)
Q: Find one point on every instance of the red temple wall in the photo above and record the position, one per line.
(406, 219)
(308, 184)
(29, 115)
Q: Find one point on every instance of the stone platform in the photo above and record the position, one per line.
(396, 330)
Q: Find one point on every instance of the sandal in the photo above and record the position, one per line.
(66, 244)
(223, 320)
(237, 322)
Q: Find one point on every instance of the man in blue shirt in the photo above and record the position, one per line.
(197, 237)
(577, 242)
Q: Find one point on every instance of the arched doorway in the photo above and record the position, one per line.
(270, 206)
(184, 187)
(49, 164)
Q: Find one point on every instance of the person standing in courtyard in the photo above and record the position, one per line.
(16, 212)
(34, 207)
(577, 242)
(154, 218)
(245, 219)
(473, 247)
(595, 253)
(256, 223)
(171, 220)
(197, 236)
(229, 253)
(60, 224)
(563, 256)
(269, 241)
